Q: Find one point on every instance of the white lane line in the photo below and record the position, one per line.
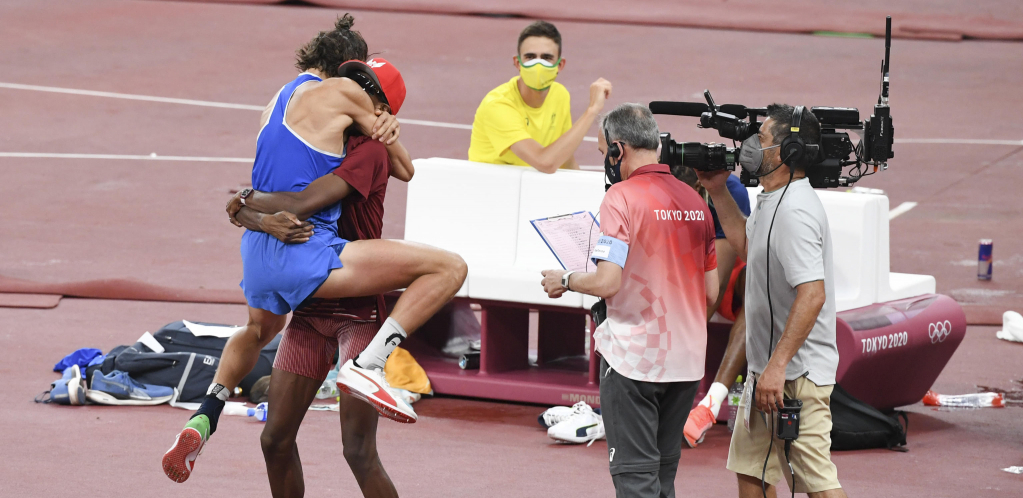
(901, 209)
(419, 122)
(957, 141)
(437, 124)
(150, 157)
(129, 96)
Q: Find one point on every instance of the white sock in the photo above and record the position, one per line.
(388, 337)
(218, 390)
(715, 396)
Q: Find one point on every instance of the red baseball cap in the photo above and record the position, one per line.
(380, 74)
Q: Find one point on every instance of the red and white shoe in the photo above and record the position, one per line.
(179, 461)
(700, 420)
(371, 387)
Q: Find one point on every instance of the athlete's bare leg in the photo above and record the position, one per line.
(430, 276)
(240, 356)
(359, 437)
(242, 350)
(290, 396)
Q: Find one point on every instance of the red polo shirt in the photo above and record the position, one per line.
(656, 327)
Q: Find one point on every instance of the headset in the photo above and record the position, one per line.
(793, 147)
(616, 151)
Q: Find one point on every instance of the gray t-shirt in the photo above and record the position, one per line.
(800, 253)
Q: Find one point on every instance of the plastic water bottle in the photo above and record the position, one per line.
(977, 400)
(328, 390)
(260, 411)
(734, 398)
(239, 409)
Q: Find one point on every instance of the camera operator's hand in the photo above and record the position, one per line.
(714, 181)
(771, 389)
(600, 90)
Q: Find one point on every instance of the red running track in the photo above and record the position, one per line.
(160, 224)
(458, 447)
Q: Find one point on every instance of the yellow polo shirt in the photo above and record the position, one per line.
(503, 119)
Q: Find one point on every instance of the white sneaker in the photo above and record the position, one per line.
(555, 414)
(581, 427)
(371, 386)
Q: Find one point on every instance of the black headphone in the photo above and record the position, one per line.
(614, 150)
(792, 147)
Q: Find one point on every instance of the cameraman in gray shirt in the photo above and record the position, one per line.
(790, 308)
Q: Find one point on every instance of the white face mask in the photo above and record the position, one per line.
(751, 154)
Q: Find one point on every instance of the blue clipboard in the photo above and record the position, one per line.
(551, 218)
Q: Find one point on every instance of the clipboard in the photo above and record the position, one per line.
(570, 237)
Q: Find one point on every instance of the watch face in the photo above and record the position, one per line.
(245, 193)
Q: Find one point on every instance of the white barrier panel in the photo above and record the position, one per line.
(482, 212)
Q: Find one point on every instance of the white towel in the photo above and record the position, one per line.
(1012, 327)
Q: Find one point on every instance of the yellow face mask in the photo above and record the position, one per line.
(538, 74)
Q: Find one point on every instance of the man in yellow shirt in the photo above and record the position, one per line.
(528, 121)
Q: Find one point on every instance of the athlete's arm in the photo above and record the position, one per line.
(733, 222)
(562, 151)
(401, 162)
(356, 104)
(726, 262)
(324, 191)
(710, 281)
(352, 101)
(282, 225)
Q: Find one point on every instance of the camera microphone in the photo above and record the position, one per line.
(695, 109)
(692, 109)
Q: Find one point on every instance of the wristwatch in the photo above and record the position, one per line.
(245, 194)
(564, 279)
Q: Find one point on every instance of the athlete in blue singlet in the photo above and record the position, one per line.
(289, 257)
(279, 276)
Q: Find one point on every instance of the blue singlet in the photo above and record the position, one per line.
(277, 277)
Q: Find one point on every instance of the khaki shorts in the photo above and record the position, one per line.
(811, 452)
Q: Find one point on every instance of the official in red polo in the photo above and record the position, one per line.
(657, 270)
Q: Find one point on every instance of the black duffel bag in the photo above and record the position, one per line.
(859, 426)
(188, 362)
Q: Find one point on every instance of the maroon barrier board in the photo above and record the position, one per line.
(889, 353)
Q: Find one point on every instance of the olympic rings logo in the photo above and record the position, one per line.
(940, 331)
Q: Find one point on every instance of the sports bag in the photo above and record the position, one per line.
(859, 426)
(188, 362)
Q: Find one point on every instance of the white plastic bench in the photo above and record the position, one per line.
(482, 212)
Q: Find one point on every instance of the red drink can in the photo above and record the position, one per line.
(984, 259)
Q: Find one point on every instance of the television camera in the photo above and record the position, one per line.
(835, 152)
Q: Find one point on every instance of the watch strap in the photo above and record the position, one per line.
(564, 279)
